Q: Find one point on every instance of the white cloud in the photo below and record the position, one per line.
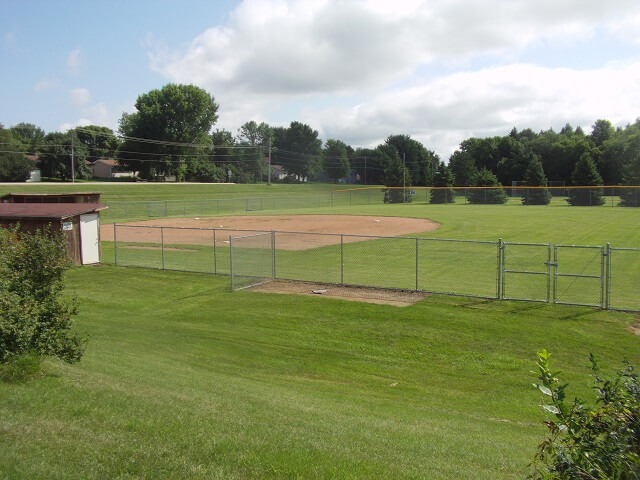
(307, 47)
(445, 111)
(74, 61)
(44, 84)
(80, 96)
(440, 70)
(97, 114)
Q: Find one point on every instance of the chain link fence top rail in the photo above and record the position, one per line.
(119, 211)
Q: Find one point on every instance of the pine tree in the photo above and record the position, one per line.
(443, 178)
(586, 175)
(631, 177)
(396, 175)
(534, 177)
(487, 195)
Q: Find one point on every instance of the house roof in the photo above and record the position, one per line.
(108, 161)
(48, 210)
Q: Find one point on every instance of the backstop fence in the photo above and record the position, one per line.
(602, 276)
(121, 211)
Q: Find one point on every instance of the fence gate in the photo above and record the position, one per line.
(579, 275)
(526, 271)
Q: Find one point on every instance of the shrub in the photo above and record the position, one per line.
(443, 177)
(485, 178)
(35, 316)
(534, 177)
(602, 442)
(586, 174)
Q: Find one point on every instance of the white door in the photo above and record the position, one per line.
(89, 238)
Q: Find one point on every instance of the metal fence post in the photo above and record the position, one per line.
(416, 264)
(500, 277)
(166, 209)
(115, 244)
(215, 257)
(273, 254)
(162, 244)
(231, 260)
(341, 259)
(607, 276)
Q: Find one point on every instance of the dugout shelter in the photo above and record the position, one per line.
(78, 222)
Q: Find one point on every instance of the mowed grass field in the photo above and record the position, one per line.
(183, 378)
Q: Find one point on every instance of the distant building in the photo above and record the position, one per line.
(110, 168)
(278, 172)
(35, 174)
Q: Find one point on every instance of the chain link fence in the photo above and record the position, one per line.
(122, 211)
(601, 276)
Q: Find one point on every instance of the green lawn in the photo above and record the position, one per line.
(184, 379)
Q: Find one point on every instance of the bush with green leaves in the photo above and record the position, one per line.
(586, 175)
(443, 178)
(494, 195)
(534, 177)
(35, 314)
(599, 442)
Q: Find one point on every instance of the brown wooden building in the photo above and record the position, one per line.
(76, 197)
(79, 222)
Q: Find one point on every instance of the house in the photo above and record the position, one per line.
(110, 168)
(278, 172)
(78, 222)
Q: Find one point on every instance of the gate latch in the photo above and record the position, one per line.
(551, 264)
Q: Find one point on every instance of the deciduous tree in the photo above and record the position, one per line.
(169, 129)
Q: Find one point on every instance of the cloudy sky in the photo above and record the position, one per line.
(438, 70)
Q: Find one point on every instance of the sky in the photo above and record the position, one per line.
(440, 71)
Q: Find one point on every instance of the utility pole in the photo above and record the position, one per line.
(260, 162)
(73, 174)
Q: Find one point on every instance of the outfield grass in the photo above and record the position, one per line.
(183, 378)
(141, 191)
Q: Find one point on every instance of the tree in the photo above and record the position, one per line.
(370, 164)
(15, 167)
(534, 177)
(259, 136)
(396, 175)
(100, 141)
(493, 195)
(601, 131)
(336, 163)
(463, 168)
(169, 129)
(28, 136)
(298, 149)
(444, 180)
(55, 159)
(35, 314)
(586, 175)
(419, 161)
(630, 197)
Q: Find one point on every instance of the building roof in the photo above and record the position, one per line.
(108, 161)
(48, 210)
(31, 194)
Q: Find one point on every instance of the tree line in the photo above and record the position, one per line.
(171, 134)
